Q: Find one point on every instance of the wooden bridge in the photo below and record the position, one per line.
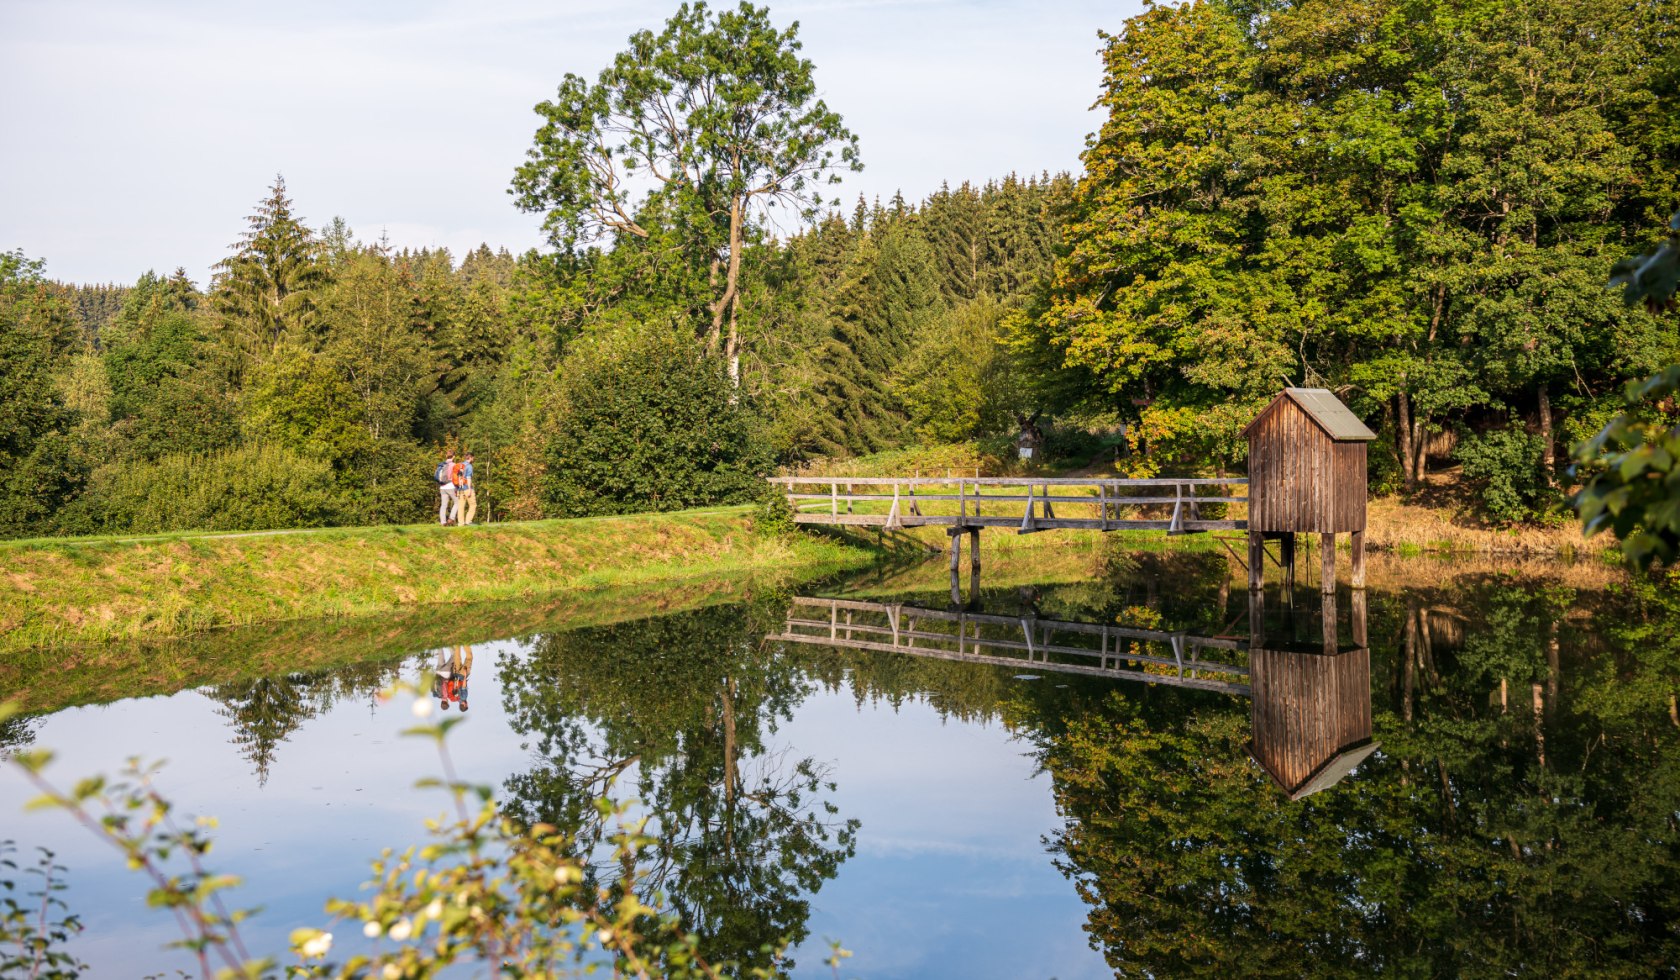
(1177, 506)
(1307, 474)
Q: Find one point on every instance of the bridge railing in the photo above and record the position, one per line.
(1055, 646)
(1028, 503)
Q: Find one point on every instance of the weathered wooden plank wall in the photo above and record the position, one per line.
(1306, 708)
(1301, 480)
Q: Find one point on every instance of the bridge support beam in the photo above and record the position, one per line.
(974, 565)
(956, 565)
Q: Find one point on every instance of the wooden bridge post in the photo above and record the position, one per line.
(974, 565)
(956, 564)
(1327, 545)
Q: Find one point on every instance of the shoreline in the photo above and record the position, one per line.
(57, 593)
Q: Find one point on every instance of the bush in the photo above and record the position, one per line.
(391, 484)
(1505, 463)
(646, 423)
(250, 488)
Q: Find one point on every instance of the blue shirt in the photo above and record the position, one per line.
(466, 474)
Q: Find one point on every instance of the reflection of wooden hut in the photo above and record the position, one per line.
(1311, 714)
(1306, 473)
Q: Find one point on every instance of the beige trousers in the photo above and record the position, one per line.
(466, 506)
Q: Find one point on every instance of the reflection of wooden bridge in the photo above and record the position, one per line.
(1053, 646)
(1310, 713)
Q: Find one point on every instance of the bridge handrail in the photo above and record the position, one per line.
(1014, 481)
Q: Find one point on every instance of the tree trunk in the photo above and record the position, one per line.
(1403, 433)
(726, 304)
(1420, 449)
(1548, 449)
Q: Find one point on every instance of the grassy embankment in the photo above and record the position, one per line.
(55, 592)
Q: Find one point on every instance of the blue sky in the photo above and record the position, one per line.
(139, 135)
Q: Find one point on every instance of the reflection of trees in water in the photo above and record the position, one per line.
(265, 711)
(743, 835)
(16, 732)
(1520, 819)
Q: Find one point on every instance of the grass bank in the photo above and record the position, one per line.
(46, 680)
(56, 592)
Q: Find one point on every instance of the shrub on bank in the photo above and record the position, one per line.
(646, 422)
(249, 488)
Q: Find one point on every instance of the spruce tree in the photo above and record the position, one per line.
(266, 291)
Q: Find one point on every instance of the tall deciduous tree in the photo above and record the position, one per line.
(706, 126)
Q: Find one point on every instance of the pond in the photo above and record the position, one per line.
(1113, 763)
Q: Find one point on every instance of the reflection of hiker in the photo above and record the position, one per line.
(466, 498)
(444, 476)
(450, 681)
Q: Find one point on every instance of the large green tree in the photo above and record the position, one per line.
(706, 128)
(38, 466)
(1405, 201)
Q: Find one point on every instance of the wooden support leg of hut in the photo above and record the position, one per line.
(1327, 544)
(1256, 621)
(1358, 570)
(1357, 615)
(956, 564)
(1256, 561)
(1332, 636)
(1286, 554)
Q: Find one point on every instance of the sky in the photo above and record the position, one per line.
(139, 135)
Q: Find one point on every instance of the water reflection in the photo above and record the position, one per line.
(449, 678)
(680, 709)
(1310, 702)
(266, 711)
(1472, 773)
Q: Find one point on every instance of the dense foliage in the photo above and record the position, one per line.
(1416, 203)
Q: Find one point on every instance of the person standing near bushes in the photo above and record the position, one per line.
(445, 477)
(466, 496)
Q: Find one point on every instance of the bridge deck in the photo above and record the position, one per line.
(1027, 504)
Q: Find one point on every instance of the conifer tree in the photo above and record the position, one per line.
(267, 289)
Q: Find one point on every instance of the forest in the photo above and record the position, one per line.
(1415, 203)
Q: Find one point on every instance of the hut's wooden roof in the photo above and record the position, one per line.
(1329, 772)
(1326, 411)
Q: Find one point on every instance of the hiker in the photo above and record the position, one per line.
(466, 499)
(445, 477)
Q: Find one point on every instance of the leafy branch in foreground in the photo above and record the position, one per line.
(484, 890)
(33, 930)
(1652, 278)
(1634, 462)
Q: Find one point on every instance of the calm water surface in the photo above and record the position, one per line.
(1116, 766)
